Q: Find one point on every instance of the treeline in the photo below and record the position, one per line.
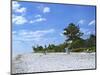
(74, 42)
(50, 48)
(88, 45)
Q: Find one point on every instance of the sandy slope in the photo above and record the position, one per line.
(38, 62)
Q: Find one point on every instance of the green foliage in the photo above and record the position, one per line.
(50, 48)
(91, 41)
(79, 49)
(72, 32)
(78, 44)
(38, 49)
(92, 49)
(60, 48)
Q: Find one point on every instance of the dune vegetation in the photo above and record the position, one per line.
(74, 42)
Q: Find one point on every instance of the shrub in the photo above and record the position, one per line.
(78, 50)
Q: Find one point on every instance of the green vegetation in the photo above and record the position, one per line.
(72, 32)
(74, 42)
(50, 48)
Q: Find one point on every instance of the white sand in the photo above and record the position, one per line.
(38, 62)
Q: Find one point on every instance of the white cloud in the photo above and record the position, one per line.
(87, 32)
(14, 32)
(61, 34)
(17, 7)
(38, 20)
(81, 21)
(19, 20)
(38, 16)
(84, 30)
(21, 10)
(46, 10)
(25, 35)
(92, 22)
(41, 33)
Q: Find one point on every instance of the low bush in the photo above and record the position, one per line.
(78, 50)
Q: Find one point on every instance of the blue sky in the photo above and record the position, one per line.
(43, 23)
